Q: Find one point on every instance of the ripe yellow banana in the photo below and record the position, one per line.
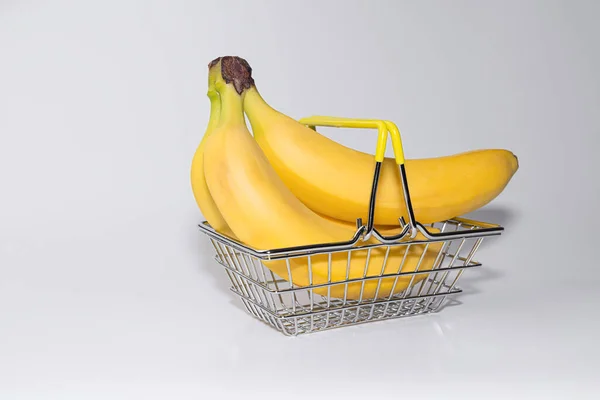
(335, 180)
(201, 193)
(263, 213)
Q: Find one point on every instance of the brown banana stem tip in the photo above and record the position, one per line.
(235, 70)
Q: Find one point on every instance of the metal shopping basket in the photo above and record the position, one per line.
(419, 267)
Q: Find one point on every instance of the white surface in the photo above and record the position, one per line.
(107, 290)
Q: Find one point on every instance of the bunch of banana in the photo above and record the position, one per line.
(290, 186)
(255, 204)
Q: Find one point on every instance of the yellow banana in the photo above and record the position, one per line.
(335, 180)
(201, 194)
(263, 213)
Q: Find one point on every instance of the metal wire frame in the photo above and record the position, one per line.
(294, 309)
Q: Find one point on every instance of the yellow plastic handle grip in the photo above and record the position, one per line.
(383, 127)
(396, 142)
(340, 122)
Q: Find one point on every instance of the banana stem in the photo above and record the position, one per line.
(215, 111)
(232, 111)
(215, 100)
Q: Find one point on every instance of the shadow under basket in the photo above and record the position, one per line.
(304, 291)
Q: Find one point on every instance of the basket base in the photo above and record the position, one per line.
(346, 316)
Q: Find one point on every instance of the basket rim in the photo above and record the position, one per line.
(477, 229)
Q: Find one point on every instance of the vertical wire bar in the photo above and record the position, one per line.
(407, 248)
(239, 268)
(293, 294)
(223, 261)
(329, 280)
(253, 308)
(242, 287)
(248, 272)
(412, 279)
(460, 272)
(276, 286)
(257, 292)
(230, 277)
(473, 251)
(274, 321)
(357, 312)
(346, 287)
(399, 270)
(238, 282)
(261, 268)
(212, 241)
(444, 276)
(219, 251)
(458, 250)
(266, 293)
(362, 286)
(248, 267)
(458, 225)
(443, 226)
(245, 303)
(251, 286)
(282, 326)
(408, 289)
(328, 289)
(310, 282)
(347, 277)
(424, 281)
(234, 263)
(246, 306)
(435, 307)
(385, 257)
(467, 261)
(262, 314)
(438, 263)
(268, 296)
(433, 280)
(399, 310)
(371, 312)
(311, 293)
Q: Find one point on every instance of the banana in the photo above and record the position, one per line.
(263, 213)
(334, 180)
(201, 193)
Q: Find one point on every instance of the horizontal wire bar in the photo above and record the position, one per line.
(346, 307)
(351, 280)
(299, 251)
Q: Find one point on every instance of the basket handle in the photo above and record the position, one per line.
(383, 128)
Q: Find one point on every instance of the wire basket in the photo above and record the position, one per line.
(308, 289)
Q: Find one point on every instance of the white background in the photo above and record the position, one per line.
(107, 289)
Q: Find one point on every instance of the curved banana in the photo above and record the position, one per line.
(263, 213)
(335, 180)
(201, 193)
